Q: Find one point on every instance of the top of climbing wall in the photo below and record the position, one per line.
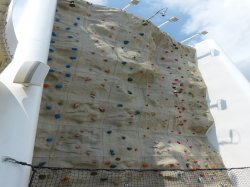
(120, 94)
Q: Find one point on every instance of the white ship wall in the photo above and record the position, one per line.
(229, 97)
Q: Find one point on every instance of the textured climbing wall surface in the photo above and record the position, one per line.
(4, 54)
(120, 94)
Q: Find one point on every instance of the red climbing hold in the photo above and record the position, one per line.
(65, 179)
(178, 142)
(101, 109)
(171, 165)
(145, 165)
(45, 85)
(107, 162)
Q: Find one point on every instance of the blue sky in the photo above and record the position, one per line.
(227, 21)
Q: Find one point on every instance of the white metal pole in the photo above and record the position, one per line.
(19, 109)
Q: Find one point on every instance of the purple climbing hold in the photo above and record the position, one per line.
(75, 24)
(67, 28)
(78, 18)
(74, 49)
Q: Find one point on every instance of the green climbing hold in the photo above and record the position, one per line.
(124, 63)
(141, 34)
(120, 105)
(112, 152)
(118, 159)
(137, 112)
(126, 42)
(109, 132)
(129, 148)
(129, 92)
(103, 179)
(130, 79)
(113, 166)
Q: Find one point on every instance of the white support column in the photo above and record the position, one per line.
(19, 108)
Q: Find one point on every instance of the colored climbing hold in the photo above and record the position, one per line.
(57, 116)
(129, 148)
(118, 159)
(69, 36)
(145, 164)
(113, 166)
(48, 107)
(72, 58)
(109, 132)
(123, 137)
(126, 42)
(141, 34)
(49, 58)
(53, 33)
(67, 28)
(59, 86)
(101, 109)
(50, 139)
(67, 74)
(52, 41)
(137, 112)
(51, 70)
(65, 179)
(78, 18)
(45, 85)
(74, 49)
(124, 63)
(129, 92)
(41, 164)
(67, 65)
(75, 24)
(112, 152)
(107, 162)
(120, 105)
(103, 179)
(51, 50)
(57, 20)
(130, 79)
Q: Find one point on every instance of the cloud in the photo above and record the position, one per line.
(228, 22)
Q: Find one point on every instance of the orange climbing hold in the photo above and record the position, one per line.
(145, 165)
(45, 85)
(65, 179)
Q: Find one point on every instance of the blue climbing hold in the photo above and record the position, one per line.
(74, 49)
(58, 86)
(67, 28)
(48, 107)
(70, 36)
(126, 42)
(51, 70)
(53, 33)
(51, 50)
(57, 116)
(72, 58)
(57, 20)
(76, 24)
(67, 65)
(67, 75)
(49, 58)
(49, 139)
(78, 18)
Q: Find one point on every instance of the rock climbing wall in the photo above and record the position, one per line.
(120, 94)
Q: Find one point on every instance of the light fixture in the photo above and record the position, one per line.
(162, 11)
(194, 36)
(172, 19)
(132, 2)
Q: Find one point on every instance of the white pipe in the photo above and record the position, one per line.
(127, 6)
(19, 109)
(166, 22)
(190, 38)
